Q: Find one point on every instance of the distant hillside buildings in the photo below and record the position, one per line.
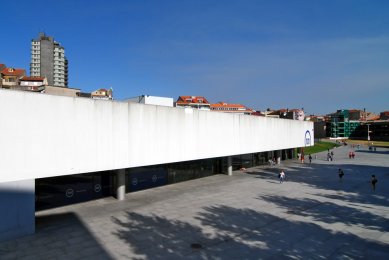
(353, 124)
(48, 72)
(49, 75)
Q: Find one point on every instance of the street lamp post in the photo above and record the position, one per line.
(368, 132)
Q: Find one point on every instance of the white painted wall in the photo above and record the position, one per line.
(159, 101)
(153, 100)
(45, 135)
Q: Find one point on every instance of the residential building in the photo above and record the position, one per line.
(152, 100)
(384, 115)
(2, 66)
(48, 60)
(231, 108)
(295, 114)
(193, 102)
(314, 118)
(32, 83)
(10, 77)
(102, 94)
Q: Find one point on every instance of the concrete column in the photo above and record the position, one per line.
(17, 209)
(229, 165)
(120, 184)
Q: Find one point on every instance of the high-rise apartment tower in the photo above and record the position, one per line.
(48, 60)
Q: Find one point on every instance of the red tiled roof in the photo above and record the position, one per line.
(191, 100)
(25, 78)
(223, 104)
(231, 108)
(13, 72)
(257, 113)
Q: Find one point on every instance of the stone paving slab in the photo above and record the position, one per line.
(249, 215)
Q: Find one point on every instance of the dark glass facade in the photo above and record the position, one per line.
(65, 190)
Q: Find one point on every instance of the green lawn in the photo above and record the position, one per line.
(319, 147)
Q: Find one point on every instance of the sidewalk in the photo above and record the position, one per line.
(249, 215)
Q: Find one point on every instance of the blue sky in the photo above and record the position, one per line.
(321, 55)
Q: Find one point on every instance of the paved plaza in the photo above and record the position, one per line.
(249, 215)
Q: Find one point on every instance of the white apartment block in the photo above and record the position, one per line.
(48, 60)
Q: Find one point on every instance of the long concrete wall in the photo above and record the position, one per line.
(44, 135)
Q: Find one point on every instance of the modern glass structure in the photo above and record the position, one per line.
(341, 125)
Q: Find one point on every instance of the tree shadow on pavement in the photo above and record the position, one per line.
(223, 232)
(58, 236)
(329, 212)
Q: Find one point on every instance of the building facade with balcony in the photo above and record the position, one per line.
(231, 108)
(193, 102)
(48, 60)
(10, 77)
(102, 93)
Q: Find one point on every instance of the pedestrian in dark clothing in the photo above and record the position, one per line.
(310, 158)
(341, 173)
(373, 181)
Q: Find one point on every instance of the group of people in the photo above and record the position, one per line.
(330, 156)
(373, 180)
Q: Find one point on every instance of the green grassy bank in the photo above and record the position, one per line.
(319, 147)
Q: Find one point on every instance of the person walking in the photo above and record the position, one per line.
(340, 173)
(373, 181)
(310, 158)
(282, 176)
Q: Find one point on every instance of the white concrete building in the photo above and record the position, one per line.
(70, 136)
(152, 100)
